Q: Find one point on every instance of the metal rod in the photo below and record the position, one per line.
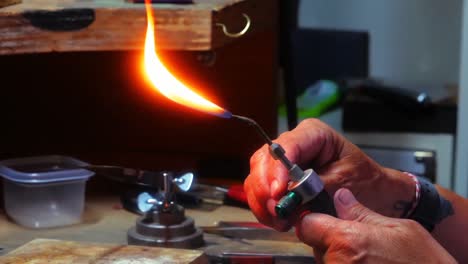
(256, 126)
(280, 155)
(167, 191)
(286, 162)
(275, 149)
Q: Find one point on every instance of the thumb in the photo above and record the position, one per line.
(348, 208)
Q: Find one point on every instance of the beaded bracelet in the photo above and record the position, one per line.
(429, 208)
(416, 196)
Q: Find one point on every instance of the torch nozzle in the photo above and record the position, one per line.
(276, 150)
(256, 126)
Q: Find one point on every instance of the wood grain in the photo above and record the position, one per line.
(52, 251)
(119, 25)
(105, 224)
(4, 3)
(103, 229)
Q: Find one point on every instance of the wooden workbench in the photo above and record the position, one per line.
(76, 25)
(105, 223)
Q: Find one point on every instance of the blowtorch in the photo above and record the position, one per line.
(304, 186)
(305, 189)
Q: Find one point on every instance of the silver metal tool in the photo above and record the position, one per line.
(306, 189)
(249, 230)
(165, 223)
(219, 256)
(138, 176)
(146, 202)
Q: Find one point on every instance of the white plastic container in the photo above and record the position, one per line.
(44, 191)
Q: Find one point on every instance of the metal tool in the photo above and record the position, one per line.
(306, 189)
(241, 257)
(146, 202)
(233, 195)
(141, 177)
(164, 224)
(249, 230)
(251, 251)
(140, 181)
(131, 175)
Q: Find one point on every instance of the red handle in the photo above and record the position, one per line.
(236, 192)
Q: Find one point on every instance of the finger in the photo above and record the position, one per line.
(348, 208)
(278, 223)
(318, 256)
(257, 197)
(278, 177)
(312, 140)
(266, 214)
(262, 165)
(316, 230)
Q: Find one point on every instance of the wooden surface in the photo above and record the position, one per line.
(78, 25)
(104, 221)
(8, 2)
(59, 251)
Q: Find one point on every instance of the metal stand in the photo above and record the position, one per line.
(166, 229)
(165, 224)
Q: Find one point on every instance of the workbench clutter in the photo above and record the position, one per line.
(163, 224)
(157, 211)
(44, 192)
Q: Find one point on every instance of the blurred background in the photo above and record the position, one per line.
(387, 74)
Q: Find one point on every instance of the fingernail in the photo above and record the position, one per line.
(346, 197)
(304, 214)
(274, 188)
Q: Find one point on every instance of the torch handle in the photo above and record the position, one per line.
(322, 203)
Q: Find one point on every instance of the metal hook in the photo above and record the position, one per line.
(238, 34)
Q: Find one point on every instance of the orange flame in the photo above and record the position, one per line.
(166, 83)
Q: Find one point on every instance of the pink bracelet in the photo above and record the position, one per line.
(417, 194)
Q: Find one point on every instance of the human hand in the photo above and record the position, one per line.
(339, 163)
(363, 236)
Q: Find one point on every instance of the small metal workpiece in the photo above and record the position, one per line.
(305, 187)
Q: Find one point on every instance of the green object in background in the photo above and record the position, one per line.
(315, 100)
